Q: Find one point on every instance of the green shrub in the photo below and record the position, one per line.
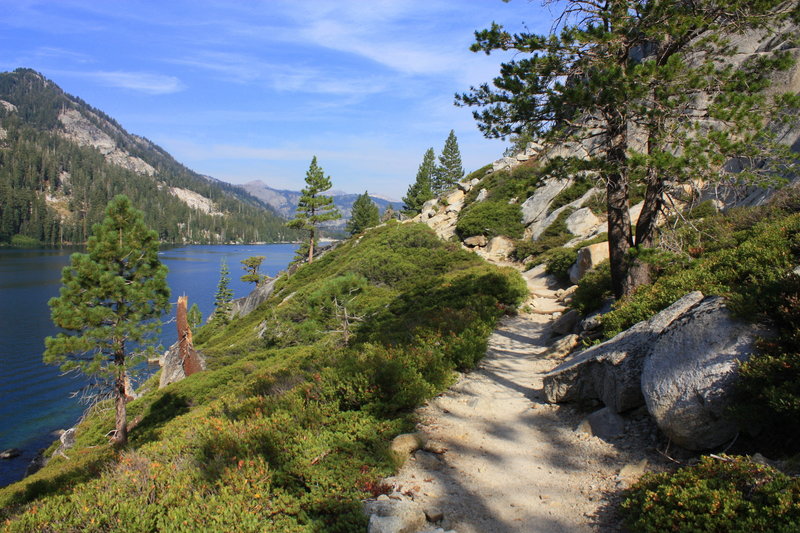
(701, 210)
(490, 218)
(767, 400)
(748, 271)
(23, 241)
(559, 261)
(593, 289)
(727, 495)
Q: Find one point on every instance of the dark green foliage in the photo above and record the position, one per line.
(251, 266)
(313, 207)
(598, 48)
(223, 296)
(194, 316)
(718, 495)
(768, 393)
(559, 260)
(36, 160)
(111, 297)
(520, 183)
(281, 434)
(449, 171)
(747, 266)
(490, 218)
(364, 215)
(593, 289)
(701, 210)
(421, 190)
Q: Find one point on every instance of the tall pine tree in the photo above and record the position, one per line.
(111, 298)
(313, 208)
(449, 172)
(223, 296)
(421, 190)
(655, 93)
(365, 214)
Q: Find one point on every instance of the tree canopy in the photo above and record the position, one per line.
(313, 208)
(251, 266)
(365, 214)
(449, 171)
(421, 190)
(224, 295)
(651, 92)
(111, 299)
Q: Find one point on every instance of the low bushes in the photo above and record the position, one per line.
(726, 495)
(289, 428)
(490, 218)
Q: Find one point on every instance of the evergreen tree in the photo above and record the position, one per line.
(224, 295)
(421, 190)
(449, 172)
(365, 214)
(650, 90)
(111, 297)
(194, 316)
(251, 266)
(313, 208)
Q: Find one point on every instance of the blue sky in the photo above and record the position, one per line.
(244, 90)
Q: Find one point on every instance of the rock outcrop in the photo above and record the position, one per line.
(588, 258)
(241, 307)
(688, 377)
(611, 372)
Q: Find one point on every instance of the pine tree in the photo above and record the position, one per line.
(421, 190)
(194, 316)
(365, 214)
(111, 298)
(251, 266)
(449, 172)
(313, 208)
(650, 90)
(224, 295)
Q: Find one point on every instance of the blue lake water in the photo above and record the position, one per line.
(34, 397)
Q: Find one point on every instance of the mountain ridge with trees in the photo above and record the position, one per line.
(62, 160)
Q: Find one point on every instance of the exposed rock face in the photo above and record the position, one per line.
(172, 366)
(535, 208)
(195, 201)
(588, 258)
(500, 248)
(611, 372)
(582, 222)
(476, 240)
(687, 379)
(244, 306)
(80, 130)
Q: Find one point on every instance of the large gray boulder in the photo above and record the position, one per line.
(535, 208)
(244, 306)
(688, 378)
(588, 258)
(611, 372)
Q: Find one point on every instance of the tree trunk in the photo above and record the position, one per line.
(311, 246)
(190, 361)
(639, 272)
(620, 238)
(121, 430)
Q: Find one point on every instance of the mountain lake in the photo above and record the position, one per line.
(35, 399)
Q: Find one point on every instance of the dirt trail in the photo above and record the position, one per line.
(514, 463)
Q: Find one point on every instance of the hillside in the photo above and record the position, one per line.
(289, 428)
(285, 202)
(62, 160)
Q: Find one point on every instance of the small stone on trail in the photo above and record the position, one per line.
(405, 444)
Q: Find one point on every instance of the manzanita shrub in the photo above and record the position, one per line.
(718, 495)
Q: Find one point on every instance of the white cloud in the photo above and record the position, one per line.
(138, 81)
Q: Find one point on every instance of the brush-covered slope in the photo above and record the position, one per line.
(62, 160)
(288, 429)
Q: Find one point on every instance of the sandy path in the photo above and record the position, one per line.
(514, 463)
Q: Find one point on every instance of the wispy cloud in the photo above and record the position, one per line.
(138, 81)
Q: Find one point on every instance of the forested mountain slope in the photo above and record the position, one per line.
(62, 160)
